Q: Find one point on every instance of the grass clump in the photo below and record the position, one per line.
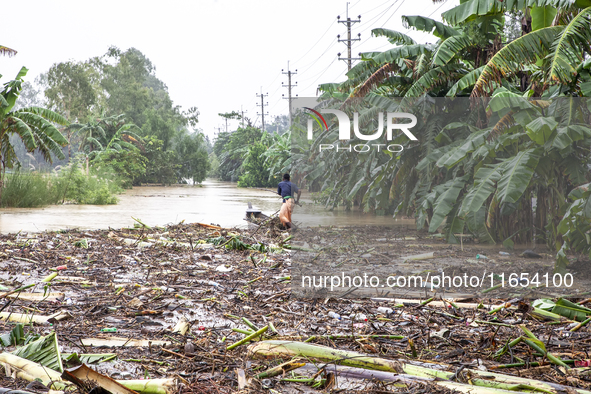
(31, 189)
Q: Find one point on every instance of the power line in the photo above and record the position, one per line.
(306, 66)
(313, 46)
(320, 74)
(396, 10)
(379, 16)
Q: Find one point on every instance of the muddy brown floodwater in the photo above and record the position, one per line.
(214, 202)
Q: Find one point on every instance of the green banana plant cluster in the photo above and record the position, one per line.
(35, 126)
(503, 147)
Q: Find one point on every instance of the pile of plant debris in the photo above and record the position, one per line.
(197, 308)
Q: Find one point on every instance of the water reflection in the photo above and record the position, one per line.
(215, 202)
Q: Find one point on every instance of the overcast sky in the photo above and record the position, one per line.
(215, 55)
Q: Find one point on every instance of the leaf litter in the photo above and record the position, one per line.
(200, 309)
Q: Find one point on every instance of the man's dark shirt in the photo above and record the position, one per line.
(286, 188)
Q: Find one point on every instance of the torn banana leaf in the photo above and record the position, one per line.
(88, 358)
(14, 337)
(44, 351)
(571, 310)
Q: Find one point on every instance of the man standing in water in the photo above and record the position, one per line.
(287, 190)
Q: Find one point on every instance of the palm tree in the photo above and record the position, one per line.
(34, 126)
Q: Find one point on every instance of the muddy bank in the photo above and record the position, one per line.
(169, 302)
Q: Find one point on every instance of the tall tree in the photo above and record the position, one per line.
(72, 89)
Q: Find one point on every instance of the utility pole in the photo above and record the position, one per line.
(262, 104)
(289, 86)
(242, 112)
(349, 22)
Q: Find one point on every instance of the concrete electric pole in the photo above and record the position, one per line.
(262, 105)
(349, 22)
(289, 86)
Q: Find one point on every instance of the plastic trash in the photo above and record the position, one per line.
(386, 310)
(407, 316)
(504, 253)
(422, 256)
(481, 256)
(358, 316)
(109, 329)
(334, 315)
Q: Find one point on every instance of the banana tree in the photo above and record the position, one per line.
(105, 134)
(34, 125)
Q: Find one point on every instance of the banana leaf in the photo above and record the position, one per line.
(88, 358)
(44, 351)
(544, 304)
(15, 337)
(571, 310)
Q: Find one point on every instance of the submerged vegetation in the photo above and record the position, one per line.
(70, 184)
(514, 165)
(110, 110)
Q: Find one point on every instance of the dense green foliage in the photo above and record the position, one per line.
(70, 184)
(122, 118)
(507, 169)
(119, 105)
(250, 157)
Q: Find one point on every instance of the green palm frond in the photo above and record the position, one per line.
(450, 48)
(90, 141)
(471, 9)
(429, 25)
(433, 78)
(47, 114)
(513, 57)
(48, 146)
(24, 131)
(465, 82)
(393, 36)
(569, 46)
(42, 124)
(421, 65)
(361, 68)
(374, 80)
(401, 52)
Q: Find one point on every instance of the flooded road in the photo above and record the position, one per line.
(214, 202)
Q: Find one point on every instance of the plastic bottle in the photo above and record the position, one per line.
(334, 315)
(358, 316)
(504, 253)
(386, 310)
(481, 256)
